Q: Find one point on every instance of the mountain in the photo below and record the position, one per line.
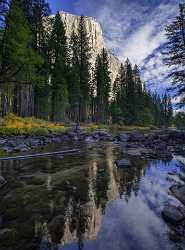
(96, 39)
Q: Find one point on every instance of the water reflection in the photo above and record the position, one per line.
(84, 202)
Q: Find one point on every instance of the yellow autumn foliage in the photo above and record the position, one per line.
(21, 125)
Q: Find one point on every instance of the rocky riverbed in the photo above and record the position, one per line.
(158, 144)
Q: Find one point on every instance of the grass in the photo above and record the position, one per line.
(14, 125)
(123, 128)
(115, 128)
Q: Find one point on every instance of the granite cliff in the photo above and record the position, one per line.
(95, 36)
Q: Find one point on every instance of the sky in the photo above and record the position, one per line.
(133, 29)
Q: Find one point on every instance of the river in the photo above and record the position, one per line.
(83, 201)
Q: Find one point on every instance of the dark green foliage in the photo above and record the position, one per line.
(179, 120)
(167, 110)
(102, 84)
(84, 67)
(44, 74)
(19, 61)
(80, 78)
(174, 52)
(74, 80)
(133, 105)
(59, 70)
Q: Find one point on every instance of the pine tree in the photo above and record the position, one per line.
(39, 22)
(118, 104)
(102, 79)
(74, 79)
(27, 7)
(130, 114)
(175, 51)
(84, 68)
(167, 110)
(59, 70)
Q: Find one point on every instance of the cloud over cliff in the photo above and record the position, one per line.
(135, 29)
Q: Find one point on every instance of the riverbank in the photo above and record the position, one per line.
(157, 144)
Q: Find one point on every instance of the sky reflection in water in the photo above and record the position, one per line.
(87, 203)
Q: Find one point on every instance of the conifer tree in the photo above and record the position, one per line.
(39, 21)
(59, 70)
(74, 79)
(167, 110)
(130, 113)
(84, 68)
(19, 61)
(174, 53)
(102, 79)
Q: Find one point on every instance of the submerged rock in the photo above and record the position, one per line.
(89, 139)
(2, 181)
(123, 163)
(21, 148)
(172, 214)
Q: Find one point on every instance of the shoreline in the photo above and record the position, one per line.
(157, 144)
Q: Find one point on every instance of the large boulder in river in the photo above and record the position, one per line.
(21, 148)
(173, 214)
(179, 193)
(123, 163)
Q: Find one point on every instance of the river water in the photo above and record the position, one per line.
(82, 201)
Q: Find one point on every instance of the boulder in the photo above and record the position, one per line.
(136, 135)
(123, 163)
(179, 193)
(124, 137)
(172, 214)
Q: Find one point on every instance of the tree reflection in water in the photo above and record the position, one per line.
(61, 204)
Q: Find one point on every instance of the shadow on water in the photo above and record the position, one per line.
(84, 202)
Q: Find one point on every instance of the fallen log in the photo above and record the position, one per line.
(24, 157)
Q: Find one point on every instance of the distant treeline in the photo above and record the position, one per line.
(46, 75)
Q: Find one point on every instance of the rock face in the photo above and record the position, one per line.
(95, 37)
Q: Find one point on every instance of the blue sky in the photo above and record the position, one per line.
(133, 29)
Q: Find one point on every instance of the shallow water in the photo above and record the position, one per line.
(83, 201)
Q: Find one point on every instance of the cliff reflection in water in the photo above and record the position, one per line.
(87, 195)
(81, 202)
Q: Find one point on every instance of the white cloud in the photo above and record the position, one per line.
(136, 29)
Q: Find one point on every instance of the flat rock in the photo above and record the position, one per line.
(172, 214)
(123, 163)
(139, 151)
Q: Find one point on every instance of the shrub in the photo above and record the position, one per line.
(14, 125)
